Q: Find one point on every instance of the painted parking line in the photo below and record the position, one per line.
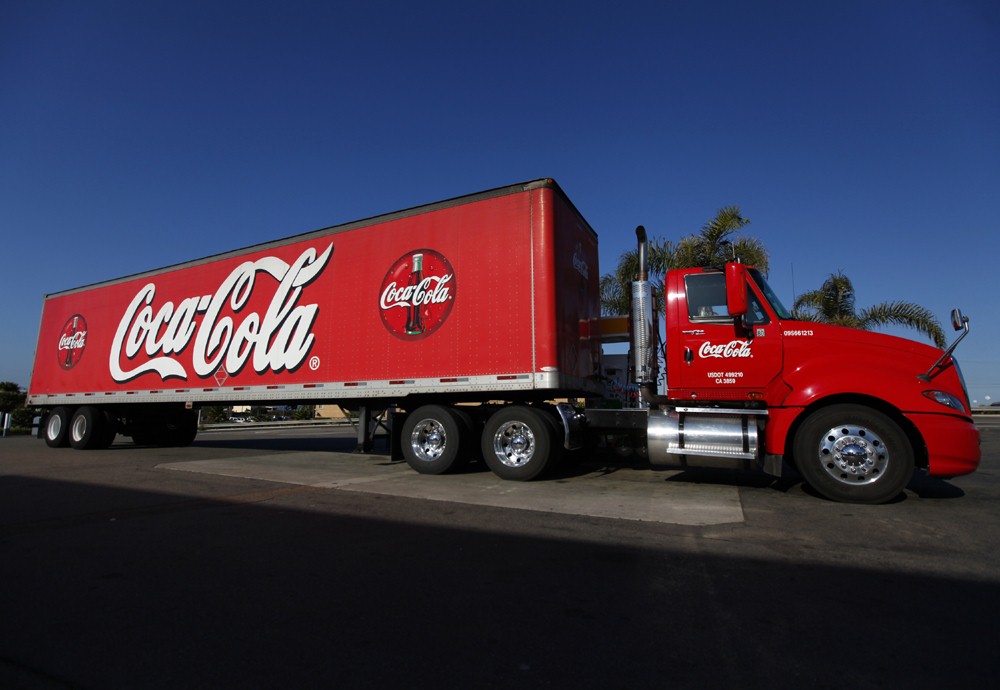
(625, 494)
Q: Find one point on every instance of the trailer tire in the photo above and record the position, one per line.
(179, 430)
(110, 430)
(57, 428)
(87, 428)
(470, 434)
(431, 439)
(518, 443)
(854, 454)
(142, 436)
(165, 428)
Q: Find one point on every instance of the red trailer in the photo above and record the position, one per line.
(478, 320)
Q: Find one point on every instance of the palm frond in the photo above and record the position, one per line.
(838, 298)
(904, 314)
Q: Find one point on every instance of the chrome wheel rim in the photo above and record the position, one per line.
(514, 444)
(54, 427)
(853, 454)
(428, 440)
(79, 428)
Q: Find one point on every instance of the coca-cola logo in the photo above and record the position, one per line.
(417, 294)
(72, 342)
(734, 349)
(280, 339)
(580, 261)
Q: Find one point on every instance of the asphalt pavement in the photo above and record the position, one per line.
(275, 559)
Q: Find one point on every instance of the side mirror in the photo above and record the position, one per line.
(958, 321)
(736, 289)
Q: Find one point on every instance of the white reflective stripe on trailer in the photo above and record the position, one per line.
(331, 390)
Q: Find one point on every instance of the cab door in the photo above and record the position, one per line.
(712, 355)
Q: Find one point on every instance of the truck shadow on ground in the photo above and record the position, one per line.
(308, 591)
(922, 485)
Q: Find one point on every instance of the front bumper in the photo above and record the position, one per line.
(952, 443)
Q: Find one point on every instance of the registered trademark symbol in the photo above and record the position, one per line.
(314, 363)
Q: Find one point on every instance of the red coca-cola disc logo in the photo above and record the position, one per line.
(417, 294)
(72, 341)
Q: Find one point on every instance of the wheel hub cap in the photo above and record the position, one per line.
(428, 440)
(514, 444)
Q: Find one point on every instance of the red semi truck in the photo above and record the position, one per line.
(477, 321)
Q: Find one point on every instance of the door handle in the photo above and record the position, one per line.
(696, 331)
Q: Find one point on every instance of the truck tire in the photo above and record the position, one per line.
(518, 443)
(431, 439)
(179, 429)
(57, 428)
(87, 428)
(165, 428)
(110, 430)
(853, 454)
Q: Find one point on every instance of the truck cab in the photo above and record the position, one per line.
(854, 411)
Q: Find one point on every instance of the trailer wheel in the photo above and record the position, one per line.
(469, 439)
(179, 429)
(110, 430)
(854, 454)
(518, 443)
(57, 428)
(431, 438)
(87, 430)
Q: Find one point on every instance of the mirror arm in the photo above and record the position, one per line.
(947, 353)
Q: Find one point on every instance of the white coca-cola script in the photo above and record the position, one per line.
(734, 349)
(77, 341)
(430, 290)
(280, 339)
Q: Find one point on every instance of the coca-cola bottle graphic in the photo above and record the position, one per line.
(414, 321)
(69, 349)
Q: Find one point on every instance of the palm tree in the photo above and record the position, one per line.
(716, 244)
(616, 287)
(834, 303)
(713, 246)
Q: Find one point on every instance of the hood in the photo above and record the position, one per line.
(867, 344)
(822, 360)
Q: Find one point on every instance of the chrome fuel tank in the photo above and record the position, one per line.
(704, 437)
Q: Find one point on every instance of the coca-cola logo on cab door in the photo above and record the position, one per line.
(417, 294)
(734, 349)
(72, 341)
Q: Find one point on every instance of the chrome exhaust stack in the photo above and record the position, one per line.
(643, 326)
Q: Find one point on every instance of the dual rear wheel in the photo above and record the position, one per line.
(83, 428)
(517, 442)
(91, 427)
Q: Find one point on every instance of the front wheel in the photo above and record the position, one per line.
(854, 454)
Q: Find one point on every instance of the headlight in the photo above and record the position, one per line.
(946, 399)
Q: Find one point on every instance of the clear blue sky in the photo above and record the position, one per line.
(856, 136)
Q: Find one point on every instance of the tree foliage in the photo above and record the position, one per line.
(304, 412)
(835, 303)
(11, 396)
(716, 244)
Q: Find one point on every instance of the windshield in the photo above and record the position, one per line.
(769, 295)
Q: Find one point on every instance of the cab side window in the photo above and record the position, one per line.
(706, 296)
